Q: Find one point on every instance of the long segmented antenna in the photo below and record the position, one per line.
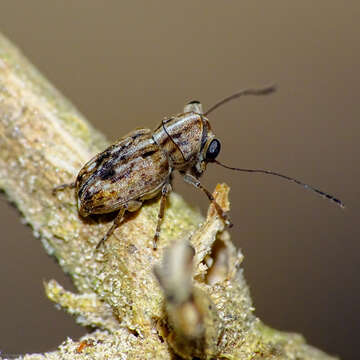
(262, 91)
(306, 186)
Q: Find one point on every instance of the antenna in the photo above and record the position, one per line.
(261, 91)
(306, 186)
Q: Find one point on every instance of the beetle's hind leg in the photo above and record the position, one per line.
(195, 182)
(63, 186)
(164, 193)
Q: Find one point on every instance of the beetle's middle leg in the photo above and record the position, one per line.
(195, 182)
(132, 205)
(164, 193)
(118, 220)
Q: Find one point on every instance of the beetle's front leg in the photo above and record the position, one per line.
(192, 180)
(164, 193)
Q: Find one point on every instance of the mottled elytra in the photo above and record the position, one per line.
(140, 165)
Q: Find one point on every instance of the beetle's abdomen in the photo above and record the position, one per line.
(180, 137)
(131, 169)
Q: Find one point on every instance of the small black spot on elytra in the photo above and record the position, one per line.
(176, 135)
(148, 153)
(106, 173)
(119, 155)
(102, 156)
(87, 196)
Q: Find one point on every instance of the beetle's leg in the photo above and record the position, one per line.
(195, 182)
(118, 220)
(63, 186)
(164, 193)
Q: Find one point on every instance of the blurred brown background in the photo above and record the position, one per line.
(128, 64)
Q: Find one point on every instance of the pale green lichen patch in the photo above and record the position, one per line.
(86, 308)
(105, 345)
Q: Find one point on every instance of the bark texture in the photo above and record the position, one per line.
(44, 141)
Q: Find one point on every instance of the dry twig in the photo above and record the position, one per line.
(44, 141)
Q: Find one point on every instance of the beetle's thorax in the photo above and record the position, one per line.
(182, 138)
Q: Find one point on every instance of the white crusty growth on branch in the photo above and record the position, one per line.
(44, 141)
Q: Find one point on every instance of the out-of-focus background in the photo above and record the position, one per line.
(128, 64)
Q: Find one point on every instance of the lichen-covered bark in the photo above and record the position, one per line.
(44, 141)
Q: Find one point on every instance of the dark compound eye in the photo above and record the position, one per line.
(213, 150)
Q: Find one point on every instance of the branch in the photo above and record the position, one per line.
(44, 141)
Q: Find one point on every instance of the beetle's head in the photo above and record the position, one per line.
(208, 154)
(210, 146)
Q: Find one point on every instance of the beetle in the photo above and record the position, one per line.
(140, 165)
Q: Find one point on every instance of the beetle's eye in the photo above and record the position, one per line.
(213, 150)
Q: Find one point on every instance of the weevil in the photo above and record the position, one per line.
(140, 165)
